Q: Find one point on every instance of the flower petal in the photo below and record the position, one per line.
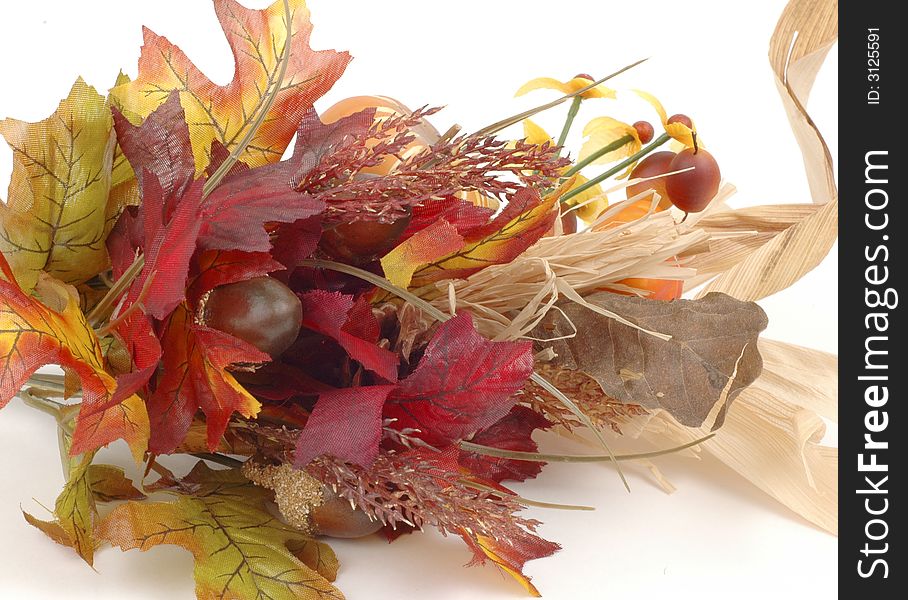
(544, 83)
(681, 133)
(567, 87)
(535, 134)
(654, 102)
(594, 201)
(601, 132)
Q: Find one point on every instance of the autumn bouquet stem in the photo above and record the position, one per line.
(363, 337)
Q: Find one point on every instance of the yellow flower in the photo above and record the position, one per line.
(567, 87)
(598, 201)
(602, 131)
(680, 131)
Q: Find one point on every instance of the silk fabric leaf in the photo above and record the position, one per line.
(33, 335)
(463, 383)
(196, 376)
(225, 113)
(55, 218)
(240, 549)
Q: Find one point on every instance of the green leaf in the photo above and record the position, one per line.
(75, 509)
(240, 550)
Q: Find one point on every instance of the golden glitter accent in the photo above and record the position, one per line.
(295, 492)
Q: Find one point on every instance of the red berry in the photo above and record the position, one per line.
(692, 191)
(644, 131)
(683, 119)
(262, 311)
(656, 163)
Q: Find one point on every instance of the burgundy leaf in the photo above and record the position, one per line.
(462, 384)
(463, 215)
(346, 424)
(513, 432)
(161, 146)
(331, 314)
(235, 214)
(296, 241)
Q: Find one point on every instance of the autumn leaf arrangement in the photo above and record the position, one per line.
(363, 337)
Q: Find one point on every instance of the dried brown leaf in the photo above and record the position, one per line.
(711, 356)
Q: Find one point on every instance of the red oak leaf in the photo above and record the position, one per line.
(196, 376)
(331, 314)
(513, 432)
(345, 423)
(462, 384)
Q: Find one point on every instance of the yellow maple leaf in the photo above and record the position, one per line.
(56, 217)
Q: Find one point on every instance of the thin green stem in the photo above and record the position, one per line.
(513, 119)
(617, 168)
(599, 154)
(102, 309)
(542, 457)
(525, 501)
(45, 405)
(571, 115)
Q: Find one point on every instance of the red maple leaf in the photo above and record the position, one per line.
(352, 325)
(462, 384)
(513, 432)
(345, 423)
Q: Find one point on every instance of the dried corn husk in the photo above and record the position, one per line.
(772, 434)
(806, 31)
(508, 300)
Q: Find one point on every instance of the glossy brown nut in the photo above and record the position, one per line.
(336, 518)
(362, 241)
(261, 311)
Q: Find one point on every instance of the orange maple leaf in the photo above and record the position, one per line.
(34, 334)
(225, 113)
(196, 376)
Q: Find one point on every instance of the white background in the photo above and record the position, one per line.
(717, 536)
